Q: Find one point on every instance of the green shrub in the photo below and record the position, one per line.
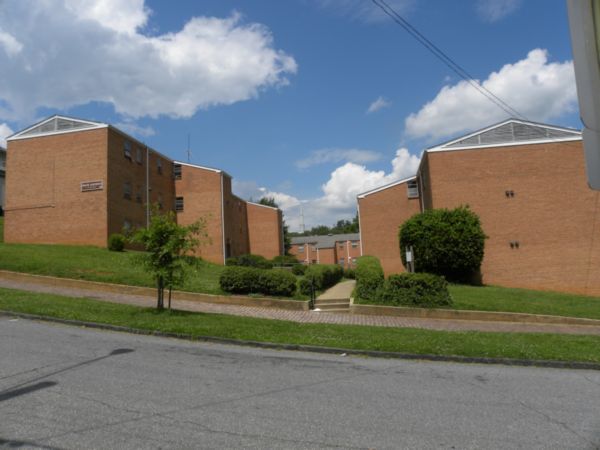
(369, 277)
(277, 282)
(350, 273)
(240, 280)
(284, 260)
(445, 242)
(231, 261)
(322, 275)
(299, 269)
(415, 289)
(247, 280)
(116, 242)
(254, 261)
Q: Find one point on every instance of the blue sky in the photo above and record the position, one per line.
(309, 101)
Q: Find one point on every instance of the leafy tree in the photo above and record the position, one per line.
(168, 250)
(445, 242)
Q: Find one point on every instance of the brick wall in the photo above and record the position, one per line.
(201, 192)
(552, 213)
(265, 230)
(381, 214)
(236, 222)
(44, 202)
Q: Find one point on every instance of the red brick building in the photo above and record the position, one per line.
(76, 181)
(527, 183)
(342, 249)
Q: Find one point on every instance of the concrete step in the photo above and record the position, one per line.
(329, 306)
(323, 301)
(335, 310)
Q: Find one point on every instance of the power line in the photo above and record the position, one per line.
(453, 65)
(447, 60)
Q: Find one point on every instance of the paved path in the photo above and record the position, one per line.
(340, 291)
(65, 387)
(311, 316)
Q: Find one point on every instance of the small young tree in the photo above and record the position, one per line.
(445, 242)
(168, 247)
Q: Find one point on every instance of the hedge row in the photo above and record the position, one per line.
(369, 277)
(249, 260)
(247, 280)
(321, 276)
(415, 289)
(407, 289)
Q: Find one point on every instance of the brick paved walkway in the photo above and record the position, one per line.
(310, 316)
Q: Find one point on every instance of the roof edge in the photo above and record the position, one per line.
(386, 186)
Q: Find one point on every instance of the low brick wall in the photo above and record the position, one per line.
(263, 302)
(487, 316)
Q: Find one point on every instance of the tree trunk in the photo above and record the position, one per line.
(170, 289)
(160, 304)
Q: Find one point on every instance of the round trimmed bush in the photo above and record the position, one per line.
(445, 242)
(240, 280)
(116, 242)
(322, 276)
(277, 282)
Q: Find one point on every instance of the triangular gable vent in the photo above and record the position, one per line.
(513, 132)
(57, 124)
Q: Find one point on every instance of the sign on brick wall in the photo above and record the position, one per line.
(87, 186)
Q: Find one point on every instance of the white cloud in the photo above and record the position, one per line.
(5, 131)
(364, 10)
(135, 129)
(494, 10)
(122, 16)
(11, 46)
(336, 155)
(537, 89)
(338, 200)
(378, 104)
(77, 52)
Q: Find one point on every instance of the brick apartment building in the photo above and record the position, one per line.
(2, 178)
(74, 181)
(342, 249)
(527, 183)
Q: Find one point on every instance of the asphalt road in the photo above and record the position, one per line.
(65, 387)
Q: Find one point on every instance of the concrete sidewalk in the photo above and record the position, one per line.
(342, 290)
(308, 316)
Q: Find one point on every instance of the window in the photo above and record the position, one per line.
(177, 171)
(138, 194)
(341, 261)
(138, 155)
(127, 190)
(301, 249)
(178, 204)
(160, 201)
(126, 226)
(159, 165)
(354, 244)
(412, 189)
(127, 150)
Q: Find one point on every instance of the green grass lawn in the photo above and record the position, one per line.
(97, 264)
(405, 340)
(1, 229)
(493, 298)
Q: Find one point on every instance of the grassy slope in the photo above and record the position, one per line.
(96, 264)
(406, 340)
(493, 298)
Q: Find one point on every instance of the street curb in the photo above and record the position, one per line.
(314, 349)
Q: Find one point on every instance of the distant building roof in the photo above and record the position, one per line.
(327, 241)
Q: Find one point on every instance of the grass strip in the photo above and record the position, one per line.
(532, 346)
